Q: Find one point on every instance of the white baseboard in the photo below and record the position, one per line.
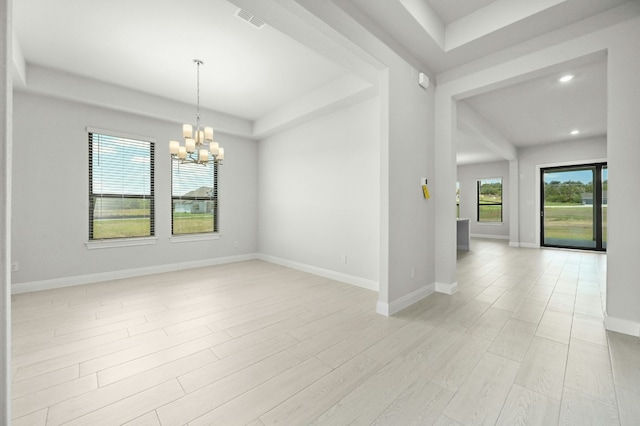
(327, 273)
(126, 273)
(623, 326)
(528, 245)
(447, 288)
(137, 272)
(490, 236)
(388, 309)
(514, 244)
(382, 308)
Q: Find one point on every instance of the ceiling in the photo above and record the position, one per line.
(546, 110)
(539, 111)
(452, 10)
(251, 73)
(149, 45)
(445, 35)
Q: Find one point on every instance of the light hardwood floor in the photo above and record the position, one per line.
(254, 343)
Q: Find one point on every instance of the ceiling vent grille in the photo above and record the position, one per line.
(250, 18)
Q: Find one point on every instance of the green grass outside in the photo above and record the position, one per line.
(192, 223)
(111, 213)
(121, 228)
(571, 222)
(562, 221)
(184, 223)
(490, 213)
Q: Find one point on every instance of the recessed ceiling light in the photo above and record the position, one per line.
(575, 132)
(565, 78)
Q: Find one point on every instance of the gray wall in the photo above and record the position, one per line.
(410, 156)
(406, 134)
(50, 186)
(468, 176)
(319, 193)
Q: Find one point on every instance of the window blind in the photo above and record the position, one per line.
(194, 197)
(121, 193)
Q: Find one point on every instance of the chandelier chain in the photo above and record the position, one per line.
(198, 63)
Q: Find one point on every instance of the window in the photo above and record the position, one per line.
(121, 203)
(490, 200)
(194, 198)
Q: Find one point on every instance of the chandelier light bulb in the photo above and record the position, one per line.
(174, 147)
(182, 153)
(190, 144)
(187, 131)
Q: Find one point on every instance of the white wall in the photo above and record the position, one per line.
(319, 194)
(623, 151)
(574, 152)
(468, 176)
(6, 107)
(410, 216)
(406, 122)
(50, 184)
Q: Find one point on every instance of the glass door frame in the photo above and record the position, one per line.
(597, 204)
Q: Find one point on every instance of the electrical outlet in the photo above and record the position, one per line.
(235, 244)
(413, 272)
(343, 257)
(14, 267)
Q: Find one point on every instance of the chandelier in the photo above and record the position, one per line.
(198, 144)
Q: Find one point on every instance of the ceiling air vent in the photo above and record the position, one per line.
(250, 18)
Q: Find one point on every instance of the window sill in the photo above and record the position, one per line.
(120, 242)
(490, 223)
(188, 238)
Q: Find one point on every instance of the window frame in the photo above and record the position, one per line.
(120, 241)
(214, 198)
(479, 184)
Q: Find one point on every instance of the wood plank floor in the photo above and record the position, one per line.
(254, 343)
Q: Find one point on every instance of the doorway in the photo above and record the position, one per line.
(574, 206)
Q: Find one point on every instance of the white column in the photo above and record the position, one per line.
(445, 192)
(383, 292)
(6, 118)
(514, 203)
(623, 151)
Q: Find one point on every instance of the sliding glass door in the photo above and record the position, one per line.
(574, 206)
